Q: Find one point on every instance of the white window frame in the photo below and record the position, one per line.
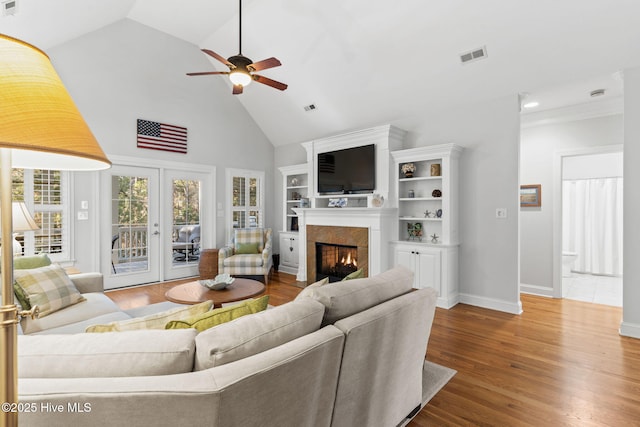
(247, 174)
(64, 207)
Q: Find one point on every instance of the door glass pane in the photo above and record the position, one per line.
(186, 221)
(254, 219)
(239, 194)
(129, 209)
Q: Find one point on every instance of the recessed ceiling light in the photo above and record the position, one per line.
(532, 104)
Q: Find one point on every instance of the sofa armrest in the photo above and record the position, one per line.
(88, 282)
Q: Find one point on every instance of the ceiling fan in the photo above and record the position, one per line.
(242, 69)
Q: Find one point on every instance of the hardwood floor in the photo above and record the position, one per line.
(560, 363)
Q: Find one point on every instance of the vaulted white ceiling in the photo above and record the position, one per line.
(364, 63)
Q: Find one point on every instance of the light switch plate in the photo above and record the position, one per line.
(501, 213)
(83, 215)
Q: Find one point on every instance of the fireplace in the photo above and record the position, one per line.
(346, 240)
(335, 261)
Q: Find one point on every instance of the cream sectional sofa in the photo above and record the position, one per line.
(344, 354)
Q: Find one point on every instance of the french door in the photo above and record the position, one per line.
(130, 226)
(154, 222)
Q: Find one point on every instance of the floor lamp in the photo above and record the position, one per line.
(40, 128)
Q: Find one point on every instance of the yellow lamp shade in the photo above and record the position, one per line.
(38, 119)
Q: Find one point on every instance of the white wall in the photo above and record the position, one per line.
(489, 179)
(592, 166)
(127, 71)
(631, 270)
(539, 145)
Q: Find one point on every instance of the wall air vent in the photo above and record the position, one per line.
(9, 7)
(310, 107)
(473, 55)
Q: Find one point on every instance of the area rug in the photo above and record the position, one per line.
(434, 377)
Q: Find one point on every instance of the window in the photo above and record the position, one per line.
(45, 193)
(245, 194)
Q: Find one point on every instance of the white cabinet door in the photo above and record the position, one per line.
(428, 262)
(289, 250)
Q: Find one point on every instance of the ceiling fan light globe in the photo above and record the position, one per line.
(240, 78)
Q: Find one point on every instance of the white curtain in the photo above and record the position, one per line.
(592, 224)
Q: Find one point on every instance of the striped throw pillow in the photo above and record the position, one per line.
(47, 287)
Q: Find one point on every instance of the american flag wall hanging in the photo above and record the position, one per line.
(160, 136)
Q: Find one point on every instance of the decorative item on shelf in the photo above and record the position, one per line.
(439, 213)
(408, 169)
(414, 231)
(436, 193)
(429, 214)
(435, 169)
(294, 181)
(412, 194)
(295, 196)
(304, 202)
(434, 238)
(294, 223)
(338, 203)
(377, 200)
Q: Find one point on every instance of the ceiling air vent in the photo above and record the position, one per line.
(9, 7)
(473, 55)
(310, 107)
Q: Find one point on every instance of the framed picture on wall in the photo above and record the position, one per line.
(531, 196)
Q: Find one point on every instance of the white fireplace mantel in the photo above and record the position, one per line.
(381, 223)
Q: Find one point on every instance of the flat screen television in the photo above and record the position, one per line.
(348, 171)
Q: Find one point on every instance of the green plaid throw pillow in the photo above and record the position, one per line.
(47, 287)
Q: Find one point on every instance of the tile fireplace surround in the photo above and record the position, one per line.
(336, 235)
(370, 229)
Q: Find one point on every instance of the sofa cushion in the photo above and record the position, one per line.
(249, 235)
(259, 332)
(95, 304)
(122, 354)
(342, 299)
(308, 289)
(81, 326)
(204, 321)
(47, 287)
(153, 321)
(243, 260)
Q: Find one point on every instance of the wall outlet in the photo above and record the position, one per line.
(501, 213)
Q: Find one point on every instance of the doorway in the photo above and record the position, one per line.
(155, 221)
(587, 238)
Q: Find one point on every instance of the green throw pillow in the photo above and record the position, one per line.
(222, 315)
(153, 321)
(358, 274)
(29, 262)
(247, 248)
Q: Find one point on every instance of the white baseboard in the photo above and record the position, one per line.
(492, 303)
(630, 330)
(543, 291)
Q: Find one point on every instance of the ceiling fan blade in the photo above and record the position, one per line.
(219, 58)
(207, 73)
(269, 82)
(264, 64)
(237, 89)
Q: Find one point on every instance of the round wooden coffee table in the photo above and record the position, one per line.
(194, 292)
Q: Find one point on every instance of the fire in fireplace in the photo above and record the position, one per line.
(335, 261)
